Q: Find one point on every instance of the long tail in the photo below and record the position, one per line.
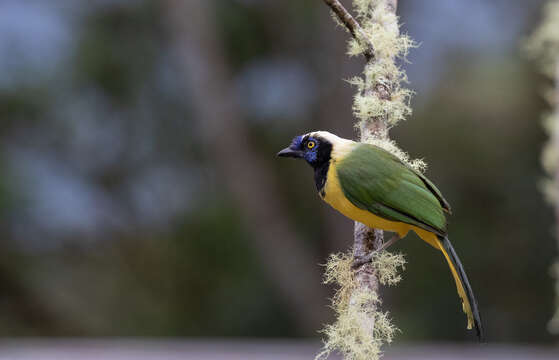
(469, 304)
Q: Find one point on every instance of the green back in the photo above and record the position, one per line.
(375, 180)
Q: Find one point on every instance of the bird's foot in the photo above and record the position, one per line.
(390, 242)
(361, 260)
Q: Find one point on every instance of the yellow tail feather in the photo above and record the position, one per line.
(469, 304)
(466, 307)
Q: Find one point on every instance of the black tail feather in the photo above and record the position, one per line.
(464, 279)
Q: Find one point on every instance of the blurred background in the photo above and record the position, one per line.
(140, 194)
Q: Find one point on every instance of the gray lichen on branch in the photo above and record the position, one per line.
(360, 328)
(380, 103)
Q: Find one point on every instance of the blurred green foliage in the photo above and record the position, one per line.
(197, 273)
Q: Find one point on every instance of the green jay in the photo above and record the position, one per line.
(369, 184)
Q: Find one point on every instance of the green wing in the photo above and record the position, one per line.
(375, 180)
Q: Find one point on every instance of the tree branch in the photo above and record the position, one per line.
(366, 239)
(361, 328)
(352, 25)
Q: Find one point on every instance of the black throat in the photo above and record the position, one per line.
(321, 166)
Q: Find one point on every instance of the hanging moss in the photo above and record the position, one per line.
(357, 309)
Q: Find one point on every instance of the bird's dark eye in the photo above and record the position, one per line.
(311, 144)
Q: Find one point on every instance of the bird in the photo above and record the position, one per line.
(371, 185)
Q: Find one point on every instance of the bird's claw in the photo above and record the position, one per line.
(361, 260)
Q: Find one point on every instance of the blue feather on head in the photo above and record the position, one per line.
(303, 146)
(311, 155)
(296, 143)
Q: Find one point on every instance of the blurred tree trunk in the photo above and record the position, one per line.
(551, 156)
(289, 262)
(544, 46)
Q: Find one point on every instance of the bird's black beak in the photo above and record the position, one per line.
(289, 152)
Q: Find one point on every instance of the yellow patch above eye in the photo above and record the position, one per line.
(311, 144)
